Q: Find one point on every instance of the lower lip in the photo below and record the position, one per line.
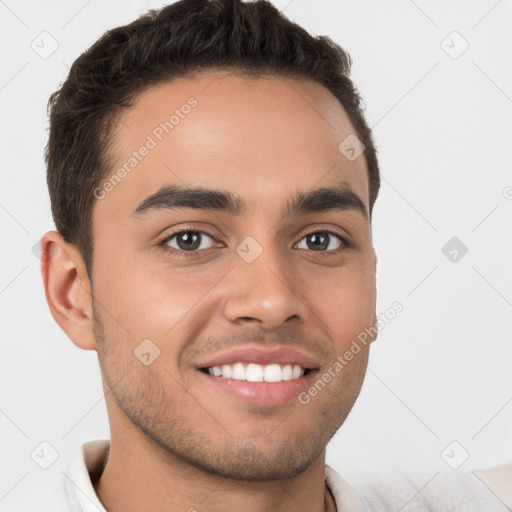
(261, 393)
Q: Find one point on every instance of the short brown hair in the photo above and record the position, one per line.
(176, 41)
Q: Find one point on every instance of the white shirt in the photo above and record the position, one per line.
(489, 491)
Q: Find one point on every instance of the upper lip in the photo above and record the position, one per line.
(262, 356)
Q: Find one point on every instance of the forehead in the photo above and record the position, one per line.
(260, 136)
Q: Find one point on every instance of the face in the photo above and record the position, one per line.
(252, 277)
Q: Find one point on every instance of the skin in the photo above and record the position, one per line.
(176, 443)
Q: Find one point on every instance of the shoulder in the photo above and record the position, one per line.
(46, 495)
(432, 489)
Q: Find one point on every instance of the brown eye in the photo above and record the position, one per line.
(187, 240)
(322, 241)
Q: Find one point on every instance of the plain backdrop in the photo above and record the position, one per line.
(436, 78)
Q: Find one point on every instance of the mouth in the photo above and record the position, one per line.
(254, 372)
(255, 384)
(259, 375)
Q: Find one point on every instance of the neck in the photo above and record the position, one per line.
(141, 475)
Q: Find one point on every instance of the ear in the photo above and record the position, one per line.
(67, 289)
(375, 311)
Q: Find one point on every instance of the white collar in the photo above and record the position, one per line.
(498, 480)
(345, 497)
(90, 457)
(79, 489)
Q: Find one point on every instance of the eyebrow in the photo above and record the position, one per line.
(171, 197)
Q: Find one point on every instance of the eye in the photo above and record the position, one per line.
(323, 241)
(186, 241)
(189, 242)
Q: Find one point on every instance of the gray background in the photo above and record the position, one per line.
(440, 371)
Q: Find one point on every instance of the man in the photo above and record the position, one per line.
(212, 181)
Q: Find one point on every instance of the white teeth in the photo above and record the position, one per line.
(273, 373)
(238, 371)
(254, 373)
(257, 373)
(227, 371)
(287, 372)
(296, 372)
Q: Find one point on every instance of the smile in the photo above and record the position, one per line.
(253, 372)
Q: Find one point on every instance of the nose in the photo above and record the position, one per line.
(265, 292)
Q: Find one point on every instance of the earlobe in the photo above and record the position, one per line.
(67, 289)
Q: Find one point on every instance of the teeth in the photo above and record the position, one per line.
(254, 373)
(296, 372)
(257, 373)
(287, 372)
(272, 373)
(226, 371)
(238, 372)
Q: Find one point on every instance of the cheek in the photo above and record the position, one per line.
(345, 300)
(139, 296)
(161, 305)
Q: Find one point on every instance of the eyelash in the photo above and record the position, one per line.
(162, 244)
